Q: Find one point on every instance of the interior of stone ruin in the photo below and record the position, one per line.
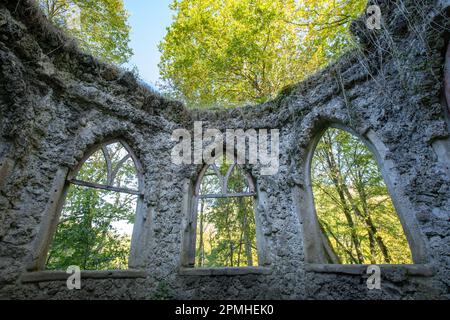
(62, 110)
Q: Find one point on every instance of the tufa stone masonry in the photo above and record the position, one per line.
(57, 104)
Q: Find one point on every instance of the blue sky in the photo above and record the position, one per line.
(148, 20)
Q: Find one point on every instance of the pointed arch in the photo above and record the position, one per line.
(318, 247)
(223, 232)
(92, 222)
(223, 179)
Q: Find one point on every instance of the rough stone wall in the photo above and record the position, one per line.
(56, 103)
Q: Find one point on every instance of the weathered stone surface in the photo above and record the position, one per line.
(56, 102)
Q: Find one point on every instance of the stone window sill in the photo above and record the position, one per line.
(410, 269)
(48, 276)
(224, 271)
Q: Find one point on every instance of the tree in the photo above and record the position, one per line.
(86, 236)
(99, 25)
(233, 52)
(353, 204)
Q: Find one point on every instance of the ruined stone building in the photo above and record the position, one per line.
(58, 104)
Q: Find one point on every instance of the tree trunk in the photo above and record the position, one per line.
(335, 175)
(201, 248)
(245, 229)
(372, 229)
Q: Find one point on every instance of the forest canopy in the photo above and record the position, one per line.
(100, 26)
(221, 53)
(232, 52)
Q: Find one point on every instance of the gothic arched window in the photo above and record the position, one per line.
(96, 222)
(354, 208)
(225, 217)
